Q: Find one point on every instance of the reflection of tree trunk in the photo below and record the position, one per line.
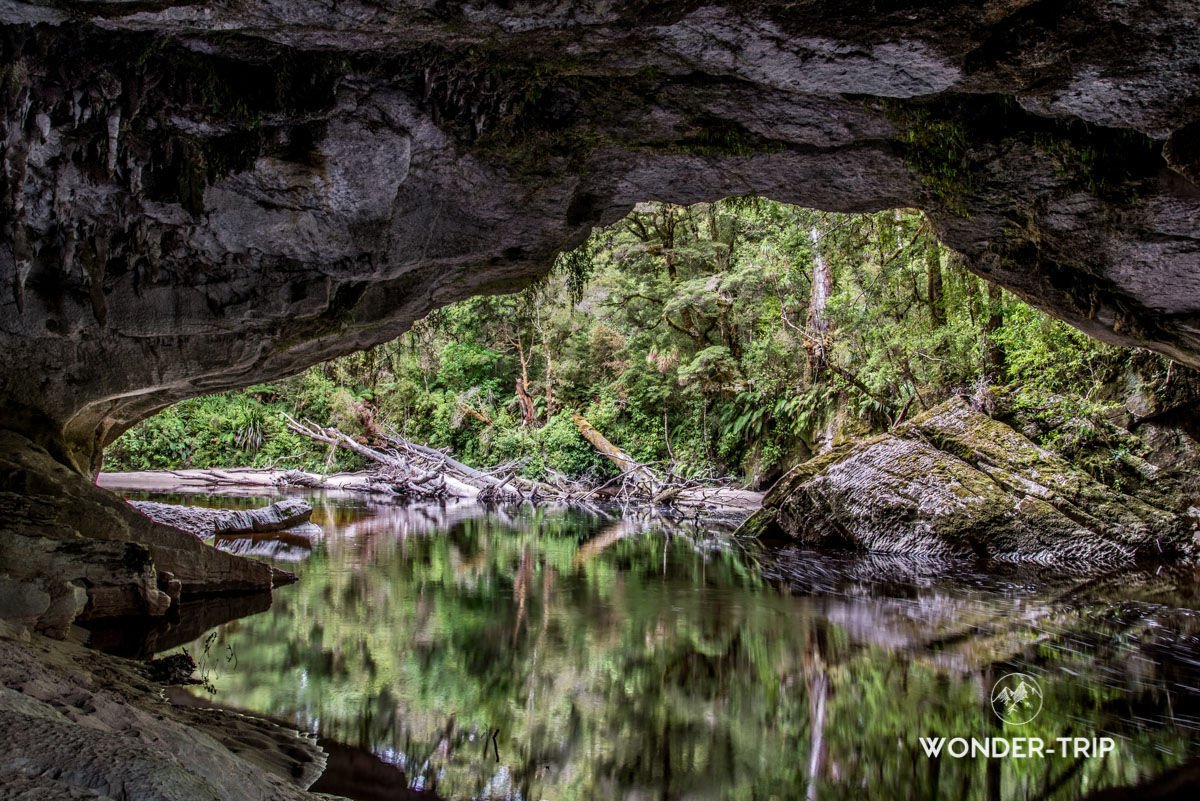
(521, 591)
(933, 776)
(991, 770)
(816, 679)
(993, 780)
(664, 751)
(609, 536)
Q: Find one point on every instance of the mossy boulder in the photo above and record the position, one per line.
(953, 481)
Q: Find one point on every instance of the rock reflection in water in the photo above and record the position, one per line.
(628, 658)
(141, 638)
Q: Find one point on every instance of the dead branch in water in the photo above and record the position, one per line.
(420, 472)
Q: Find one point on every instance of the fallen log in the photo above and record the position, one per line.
(401, 476)
(204, 522)
(640, 473)
(334, 437)
(413, 470)
(469, 473)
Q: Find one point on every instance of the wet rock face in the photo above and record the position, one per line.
(954, 482)
(198, 197)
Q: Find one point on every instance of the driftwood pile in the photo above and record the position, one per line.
(418, 472)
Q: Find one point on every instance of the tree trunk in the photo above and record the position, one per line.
(818, 299)
(666, 235)
(528, 412)
(549, 372)
(992, 352)
(974, 306)
(816, 681)
(614, 454)
(937, 298)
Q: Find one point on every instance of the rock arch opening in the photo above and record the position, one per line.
(223, 210)
(193, 203)
(732, 338)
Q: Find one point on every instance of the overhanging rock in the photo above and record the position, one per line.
(199, 197)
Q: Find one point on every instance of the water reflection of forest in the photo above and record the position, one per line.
(632, 657)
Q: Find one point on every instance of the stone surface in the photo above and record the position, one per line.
(198, 197)
(1146, 441)
(72, 551)
(79, 724)
(956, 482)
(203, 522)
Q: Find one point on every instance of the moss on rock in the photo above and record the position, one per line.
(954, 481)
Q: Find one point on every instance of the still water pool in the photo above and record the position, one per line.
(462, 652)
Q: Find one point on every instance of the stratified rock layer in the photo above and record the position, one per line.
(72, 551)
(198, 197)
(954, 481)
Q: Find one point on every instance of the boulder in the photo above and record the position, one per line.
(953, 481)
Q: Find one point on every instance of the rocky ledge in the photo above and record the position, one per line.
(79, 724)
(70, 551)
(957, 482)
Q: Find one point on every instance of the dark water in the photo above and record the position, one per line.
(632, 658)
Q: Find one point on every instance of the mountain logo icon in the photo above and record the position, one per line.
(1017, 698)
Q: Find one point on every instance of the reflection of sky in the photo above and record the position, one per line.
(632, 657)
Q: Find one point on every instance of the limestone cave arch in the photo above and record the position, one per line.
(199, 198)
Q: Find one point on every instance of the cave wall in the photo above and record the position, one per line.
(198, 197)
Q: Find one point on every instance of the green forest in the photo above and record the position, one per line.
(733, 338)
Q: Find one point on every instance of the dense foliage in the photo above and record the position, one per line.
(728, 338)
